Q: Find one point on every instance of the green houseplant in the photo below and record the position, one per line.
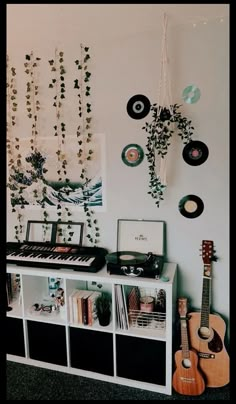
(103, 307)
(165, 121)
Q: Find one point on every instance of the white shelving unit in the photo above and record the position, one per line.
(138, 357)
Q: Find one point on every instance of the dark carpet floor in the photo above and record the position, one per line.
(24, 382)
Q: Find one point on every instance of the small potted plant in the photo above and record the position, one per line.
(103, 307)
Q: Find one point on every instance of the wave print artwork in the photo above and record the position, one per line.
(34, 184)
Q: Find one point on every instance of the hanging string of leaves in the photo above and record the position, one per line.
(58, 84)
(160, 130)
(84, 138)
(13, 151)
(35, 159)
(29, 185)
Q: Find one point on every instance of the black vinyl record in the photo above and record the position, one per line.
(126, 257)
(132, 155)
(195, 153)
(138, 106)
(191, 206)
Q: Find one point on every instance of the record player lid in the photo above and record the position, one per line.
(141, 235)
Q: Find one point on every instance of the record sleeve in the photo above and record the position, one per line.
(141, 235)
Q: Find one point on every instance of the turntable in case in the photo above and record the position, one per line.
(134, 239)
(132, 263)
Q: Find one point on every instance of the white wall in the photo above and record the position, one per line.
(124, 43)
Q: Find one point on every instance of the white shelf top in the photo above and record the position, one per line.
(169, 270)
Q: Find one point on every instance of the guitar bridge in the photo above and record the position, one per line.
(206, 355)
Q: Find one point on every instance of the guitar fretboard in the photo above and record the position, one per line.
(184, 338)
(205, 311)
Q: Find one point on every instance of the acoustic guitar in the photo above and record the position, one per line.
(207, 331)
(187, 379)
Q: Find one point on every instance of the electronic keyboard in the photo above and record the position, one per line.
(48, 255)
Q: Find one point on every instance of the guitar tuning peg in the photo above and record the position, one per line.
(214, 258)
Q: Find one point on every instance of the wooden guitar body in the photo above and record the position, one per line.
(187, 379)
(209, 343)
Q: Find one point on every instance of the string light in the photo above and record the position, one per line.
(204, 21)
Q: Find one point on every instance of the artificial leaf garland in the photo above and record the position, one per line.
(13, 151)
(35, 159)
(58, 84)
(19, 178)
(84, 138)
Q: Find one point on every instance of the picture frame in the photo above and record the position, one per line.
(53, 232)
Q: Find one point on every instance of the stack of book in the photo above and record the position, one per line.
(82, 307)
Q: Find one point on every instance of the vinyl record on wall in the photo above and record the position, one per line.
(191, 94)
(138, 106)
(132, 155)
(191, 206)
(195, 153)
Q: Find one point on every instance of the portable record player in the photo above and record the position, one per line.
(140, 248)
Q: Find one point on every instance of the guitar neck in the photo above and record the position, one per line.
(184, 338)
(206, 293)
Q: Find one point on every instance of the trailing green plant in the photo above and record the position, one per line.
(13, 151)
(35, 158)
(84, 138)
(32, 100)
(160, 130)
(58, 84)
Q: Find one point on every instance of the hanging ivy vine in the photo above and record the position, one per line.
(35, 159)
(13, 151)
(27, 182)
(84, 139)
(58, 84)
(160, 130)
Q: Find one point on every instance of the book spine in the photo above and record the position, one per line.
(85, 310)
(90, 304)
(79, 305)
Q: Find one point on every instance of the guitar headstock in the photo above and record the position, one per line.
(208, 256)
(207, 251)
(182, 306)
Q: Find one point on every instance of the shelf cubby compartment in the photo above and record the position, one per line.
(14, 295)
(15, 337)
(38, 296)
(47, 342)
(141, 359)
(146, 319)
(91, 350)
(77, 292)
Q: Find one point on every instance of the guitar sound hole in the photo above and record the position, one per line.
(186, 363)
(204, 332)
